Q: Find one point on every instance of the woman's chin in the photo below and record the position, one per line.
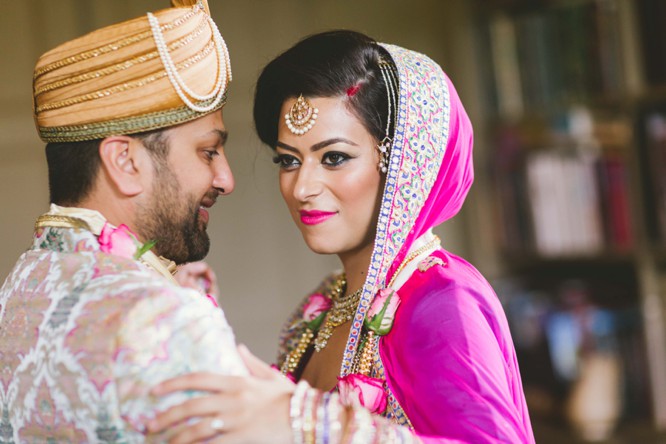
(320, 246)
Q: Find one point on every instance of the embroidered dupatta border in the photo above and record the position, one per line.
(406, 155)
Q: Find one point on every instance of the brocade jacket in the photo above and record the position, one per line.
(85, 335)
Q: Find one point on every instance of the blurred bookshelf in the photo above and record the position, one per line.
(576, 134)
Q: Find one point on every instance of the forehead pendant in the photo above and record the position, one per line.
(301, 117)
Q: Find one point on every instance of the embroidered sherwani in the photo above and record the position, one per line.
(84, 335)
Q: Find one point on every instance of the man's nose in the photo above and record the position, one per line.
(223, 179)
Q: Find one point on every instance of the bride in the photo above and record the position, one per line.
(374, 149)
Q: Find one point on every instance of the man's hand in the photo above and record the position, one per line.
(199, 276)
(252, 409)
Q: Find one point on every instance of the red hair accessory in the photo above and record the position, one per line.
(352, 90)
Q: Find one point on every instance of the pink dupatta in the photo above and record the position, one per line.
(449, 359)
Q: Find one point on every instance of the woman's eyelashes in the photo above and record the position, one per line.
(286, 161)
(335, 158)
(330, 159)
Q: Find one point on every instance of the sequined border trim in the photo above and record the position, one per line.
(394, 410)
(385, 249)
(127, 125)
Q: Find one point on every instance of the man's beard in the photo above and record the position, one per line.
(173, 221)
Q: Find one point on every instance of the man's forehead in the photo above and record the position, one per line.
(205, 127)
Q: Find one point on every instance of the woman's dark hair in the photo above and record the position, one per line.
(73, 166)
(325, 65)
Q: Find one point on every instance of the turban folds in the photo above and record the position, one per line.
(155, 71)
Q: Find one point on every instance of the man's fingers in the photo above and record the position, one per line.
(256, 366)
(181, 412)
(198, 275)
(195, 267)
(211, 382)
(205, 429)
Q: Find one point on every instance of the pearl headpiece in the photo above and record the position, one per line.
(301, 116)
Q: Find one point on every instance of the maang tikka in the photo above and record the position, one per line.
(384, 147)
(301, 116)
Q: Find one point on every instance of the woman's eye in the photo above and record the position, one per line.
(333, 158)
(285, 161)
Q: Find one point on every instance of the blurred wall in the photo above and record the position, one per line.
(258, 254)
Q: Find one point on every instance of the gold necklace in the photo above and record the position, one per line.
(335, 290)
(343, 310)
(363, 360)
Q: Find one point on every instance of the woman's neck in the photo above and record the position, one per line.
(355, 265)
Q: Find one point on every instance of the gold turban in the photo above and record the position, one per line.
(155, 71)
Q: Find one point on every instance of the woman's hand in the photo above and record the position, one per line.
(200, 276)
(252, 409)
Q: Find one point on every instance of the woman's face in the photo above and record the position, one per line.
(329, 179)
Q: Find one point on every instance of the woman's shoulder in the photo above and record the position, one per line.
(446, 287)
(444, 273)
(450, 302)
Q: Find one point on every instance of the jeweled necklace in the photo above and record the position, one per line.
(343, 310)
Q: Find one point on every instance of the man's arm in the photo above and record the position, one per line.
(171, 333)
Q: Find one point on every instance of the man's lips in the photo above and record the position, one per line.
(314, 217)
(203, 208)
(203, 214)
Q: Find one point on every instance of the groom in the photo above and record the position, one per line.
(91, 316)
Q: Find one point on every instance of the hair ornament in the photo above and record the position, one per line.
(301, 116)
(391, 83)
(352, 90)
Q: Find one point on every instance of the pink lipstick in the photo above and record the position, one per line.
(315, 217)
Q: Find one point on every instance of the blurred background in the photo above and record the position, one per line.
(567, 217)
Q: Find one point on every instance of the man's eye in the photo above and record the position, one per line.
(285, 161)
(210, 154)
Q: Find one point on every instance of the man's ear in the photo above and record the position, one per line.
(126, 163)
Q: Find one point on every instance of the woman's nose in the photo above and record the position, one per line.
(308, 183)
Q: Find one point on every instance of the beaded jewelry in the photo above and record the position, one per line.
(336, 289)
(384, 146)
(296, 411)
(321, 423)
(363, 360)
(343, 310)
(309, 415)
(184, 92)
(316, 419)
(301, 116)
